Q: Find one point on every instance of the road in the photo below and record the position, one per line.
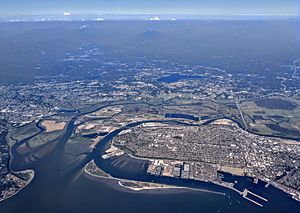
(240, 111)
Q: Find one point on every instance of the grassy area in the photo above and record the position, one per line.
(43, 138)
(25, 131)
(92, 169)
(278, 116)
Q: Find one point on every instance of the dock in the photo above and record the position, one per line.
(245, 194)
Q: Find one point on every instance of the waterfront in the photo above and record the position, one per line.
(67, 187)
(94, 194)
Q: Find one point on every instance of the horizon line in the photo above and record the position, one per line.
(70, 13)
(68, 16)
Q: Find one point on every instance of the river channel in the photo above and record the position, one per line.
(59, 188)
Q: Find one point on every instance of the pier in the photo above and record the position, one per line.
(245, 194)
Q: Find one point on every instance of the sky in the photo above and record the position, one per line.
(190, 7)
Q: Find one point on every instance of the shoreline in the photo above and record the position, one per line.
(160, 187)
(32, 174)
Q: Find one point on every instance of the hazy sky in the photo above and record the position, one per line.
(197, 7)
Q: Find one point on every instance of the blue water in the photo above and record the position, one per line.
(184, 116)
(59, 190)
(134, 169)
